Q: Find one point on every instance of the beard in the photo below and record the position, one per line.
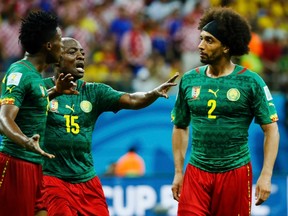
(206, 61)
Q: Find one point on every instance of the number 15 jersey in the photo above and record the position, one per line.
(70, 124)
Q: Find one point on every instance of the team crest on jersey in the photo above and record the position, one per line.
(14, 78)
(53, 105)
(86, 106)
(233, 94)
(195, 92)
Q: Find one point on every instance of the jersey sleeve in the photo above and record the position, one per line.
(262, 104)
(107, 97)
(13, 88)
(180, 114)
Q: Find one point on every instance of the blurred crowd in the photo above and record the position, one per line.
(134, 45)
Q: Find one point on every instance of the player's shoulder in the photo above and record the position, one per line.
(243, 71)
(93, 86)
(21, 66)
(196, 71)
(23, 70)
(20, 70)
(84, 83)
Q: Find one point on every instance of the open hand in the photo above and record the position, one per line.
(66, 85)
(164, 88)
(33, 145)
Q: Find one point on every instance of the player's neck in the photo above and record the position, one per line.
(220, 70)
(37, 60)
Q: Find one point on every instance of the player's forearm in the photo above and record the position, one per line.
(11, 130)
(143, 99)
(271, 144)
(179, 147)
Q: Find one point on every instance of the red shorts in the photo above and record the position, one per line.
(67, 199)
(20, 186)
(216, 194)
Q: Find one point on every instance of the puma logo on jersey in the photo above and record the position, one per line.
(70, 108)
(10, 89)
(213, 92)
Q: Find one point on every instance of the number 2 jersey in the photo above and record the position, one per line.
(220, 111)
(23, 87)
(70, 124)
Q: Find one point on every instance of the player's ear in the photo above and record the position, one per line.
(226, 49)
(48, 46)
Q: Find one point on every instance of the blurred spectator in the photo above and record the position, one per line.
(109, 11)
(130, 164)
(135, 6)
(10, 49)
(119, 26)
(154, 72)
(256, 44)
(158, 10)
(160, 40)
(136, 45)
(97, 70)
(121, 77)
(101, 24)
(110, 171)
(170, 26)
(253, 60)
(272, 51)
(188, 38)
(79, 26)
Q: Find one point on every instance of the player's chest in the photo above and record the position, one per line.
(71, 105)
(36, 96)
(217, 97)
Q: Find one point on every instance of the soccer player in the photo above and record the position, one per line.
(23, 114)
(221, 99)
(71, 186)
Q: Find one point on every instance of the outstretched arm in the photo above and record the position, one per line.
(271, 143)
(179, 147)
(140, 100)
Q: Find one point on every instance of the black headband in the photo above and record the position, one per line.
(212, 28)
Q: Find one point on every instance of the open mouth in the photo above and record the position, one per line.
(80, 65)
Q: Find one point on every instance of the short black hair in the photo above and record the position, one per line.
(36, 29)
(234, 28)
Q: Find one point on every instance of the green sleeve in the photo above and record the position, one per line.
(180, 114)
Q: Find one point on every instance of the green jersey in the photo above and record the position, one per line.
(220, 111)
(23, 87)
(70, 124)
